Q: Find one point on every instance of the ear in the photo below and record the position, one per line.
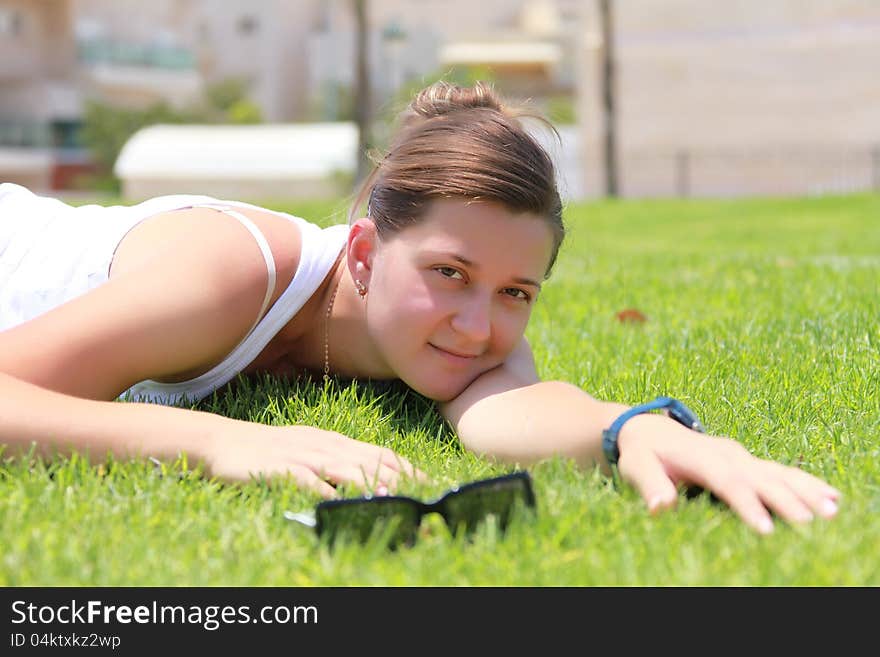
(363, 241)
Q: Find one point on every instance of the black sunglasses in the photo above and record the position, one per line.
(397, 518)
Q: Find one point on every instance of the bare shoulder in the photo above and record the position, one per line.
(185, 290)
(206, 228)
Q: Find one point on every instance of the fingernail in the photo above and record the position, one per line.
(658, 503)
(382, 490)
(765, 526)
(829, 508)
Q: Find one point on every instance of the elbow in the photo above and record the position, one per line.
(525, 425)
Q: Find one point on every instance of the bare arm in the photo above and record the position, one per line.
(509, 414)
(229, 449)
(184, 308)
(56, 422)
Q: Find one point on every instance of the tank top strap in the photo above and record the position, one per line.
(264, 247)
(320, 251)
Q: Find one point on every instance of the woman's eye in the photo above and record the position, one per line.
(516, 293)
(449, 272)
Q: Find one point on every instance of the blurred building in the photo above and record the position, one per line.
(40, 98)
(752, 97)
(298, 57)
(527, 46)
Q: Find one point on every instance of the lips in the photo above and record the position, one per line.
(456, 354)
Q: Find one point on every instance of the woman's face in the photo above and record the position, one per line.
(449, 297)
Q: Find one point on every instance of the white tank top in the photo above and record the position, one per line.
(51, 252)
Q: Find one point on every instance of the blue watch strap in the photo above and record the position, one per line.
(675, 409)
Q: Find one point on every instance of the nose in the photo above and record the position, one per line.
(473, 320)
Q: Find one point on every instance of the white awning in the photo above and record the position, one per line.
(507, 52)
(306, 150)
(25, 159)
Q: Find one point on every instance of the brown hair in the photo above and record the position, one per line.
(463, 142)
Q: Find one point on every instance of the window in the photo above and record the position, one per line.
(11, 22)
(247, 25)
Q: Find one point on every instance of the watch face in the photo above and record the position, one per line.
(609, 446)
(684, 416)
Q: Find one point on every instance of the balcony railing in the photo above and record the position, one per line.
(22, 133)
(113, 53)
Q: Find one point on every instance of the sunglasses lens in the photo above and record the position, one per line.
(475, 503)
(392, 521)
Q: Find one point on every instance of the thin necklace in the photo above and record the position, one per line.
(327, 331)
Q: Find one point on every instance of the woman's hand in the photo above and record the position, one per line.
(314, 458)
(656, 461)
(232, 450)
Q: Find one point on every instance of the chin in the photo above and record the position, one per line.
(443, 396)
(439, 391)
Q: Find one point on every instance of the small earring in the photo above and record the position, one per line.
(361, 288)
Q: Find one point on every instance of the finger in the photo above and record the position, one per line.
(805, 479)
(396, 462)
(744, 501)
(306, 478)
(816, 494)
(421, 476)
(404, 467)
(387, 456)
(369, 475)
(380, 478)
(808, 479)
(717, 466)
(783, 501)
(351, 473)
(645, 471)
(391, 459)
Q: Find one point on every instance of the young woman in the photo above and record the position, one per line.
(169, 299)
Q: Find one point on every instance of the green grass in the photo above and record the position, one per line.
(762, 316)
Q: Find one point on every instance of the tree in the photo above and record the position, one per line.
(106, 128)
(362, 87)
(609, 108)
(226, 101)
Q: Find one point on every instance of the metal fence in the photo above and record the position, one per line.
(791, 171)
(802, 170)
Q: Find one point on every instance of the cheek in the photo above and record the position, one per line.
(399, 313)
(508, 330)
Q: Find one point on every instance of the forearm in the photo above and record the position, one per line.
(526, 424)
(512, 417)
(59, 423)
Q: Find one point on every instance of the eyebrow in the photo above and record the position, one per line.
(473, 265)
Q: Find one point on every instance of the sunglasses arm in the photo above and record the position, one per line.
(306, 519)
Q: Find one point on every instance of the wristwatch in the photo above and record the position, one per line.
(674, 409)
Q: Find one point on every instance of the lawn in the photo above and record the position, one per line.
(762, 315)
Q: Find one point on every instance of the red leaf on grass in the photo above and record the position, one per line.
(630, 315)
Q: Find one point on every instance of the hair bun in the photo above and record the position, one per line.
(443, 97)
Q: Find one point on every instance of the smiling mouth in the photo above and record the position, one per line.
(454, 354)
